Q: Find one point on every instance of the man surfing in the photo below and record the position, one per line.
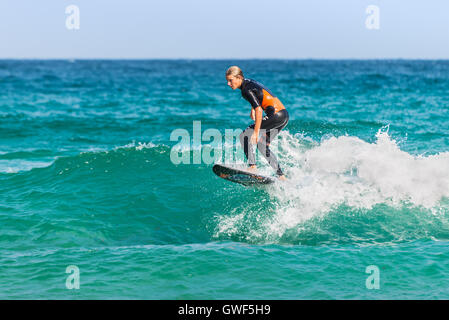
(261, 99)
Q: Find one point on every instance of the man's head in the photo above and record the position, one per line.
(234, 76)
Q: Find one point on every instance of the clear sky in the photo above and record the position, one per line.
(190, 29)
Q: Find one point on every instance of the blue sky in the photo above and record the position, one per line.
(217, 29)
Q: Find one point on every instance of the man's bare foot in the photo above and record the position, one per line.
(283, 178)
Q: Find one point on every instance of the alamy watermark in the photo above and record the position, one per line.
(373, 280)
(72, 22)
(372, 22)
(211, 145)
(73, 280)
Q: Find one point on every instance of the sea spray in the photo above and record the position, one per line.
(348, 176)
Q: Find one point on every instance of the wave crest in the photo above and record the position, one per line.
(342, 178)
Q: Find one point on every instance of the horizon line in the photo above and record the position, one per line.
(222, 59)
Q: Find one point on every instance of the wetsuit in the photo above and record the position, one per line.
(275, 120)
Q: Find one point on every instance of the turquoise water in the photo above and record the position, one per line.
(86, 180)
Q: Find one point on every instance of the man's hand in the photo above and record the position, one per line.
(255, 137)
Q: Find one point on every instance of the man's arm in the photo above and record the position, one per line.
(258, 120)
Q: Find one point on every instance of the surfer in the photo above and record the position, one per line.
(261, 99)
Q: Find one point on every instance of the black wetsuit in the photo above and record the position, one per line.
(275, 120)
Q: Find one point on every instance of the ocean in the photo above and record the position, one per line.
(94, 205)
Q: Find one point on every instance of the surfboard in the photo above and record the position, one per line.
(239, 175)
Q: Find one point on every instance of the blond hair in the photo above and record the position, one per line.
(235, 71)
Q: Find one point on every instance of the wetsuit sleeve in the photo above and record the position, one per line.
(252, 99)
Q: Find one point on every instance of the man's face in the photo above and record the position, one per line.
(234, 82)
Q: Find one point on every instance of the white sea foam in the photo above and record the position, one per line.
(18, 165)
(139, 146)
(347, 170)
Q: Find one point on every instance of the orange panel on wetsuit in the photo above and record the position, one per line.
(269, 100)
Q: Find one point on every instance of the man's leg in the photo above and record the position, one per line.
(245, 141)
(263, 147)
